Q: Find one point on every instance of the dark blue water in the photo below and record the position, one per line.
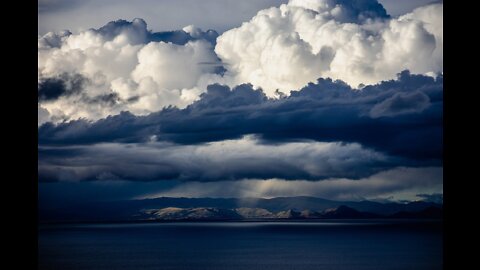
(238, 245)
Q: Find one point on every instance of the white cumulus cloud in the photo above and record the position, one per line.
(356, 41)
(120, 59)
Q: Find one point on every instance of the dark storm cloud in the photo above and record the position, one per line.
(65, 85)
(401, 103)
(327, 111)
(106, 99)
(50, 89)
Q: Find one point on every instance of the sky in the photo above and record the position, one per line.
(329, 98)
(164, 15)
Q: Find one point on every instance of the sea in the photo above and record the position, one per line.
(330, 245)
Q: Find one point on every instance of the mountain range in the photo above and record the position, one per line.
(168, 209)
(211, 213)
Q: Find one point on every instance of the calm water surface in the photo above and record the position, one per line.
(242, 245)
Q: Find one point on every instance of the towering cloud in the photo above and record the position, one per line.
(356, 41)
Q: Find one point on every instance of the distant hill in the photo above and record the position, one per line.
(200, 213)
(232, 208)
(254, 213)
(347, 212)
(288, 214)
(209, 213)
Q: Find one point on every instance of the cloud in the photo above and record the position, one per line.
(304, 99)
(281, 49)
(171, 66)
(328, 111)
(123, 59)
(64, 85)
(43, 115)
(397, 183)
(244, 158)
(401, 103)
(355, 41)
(401, 183)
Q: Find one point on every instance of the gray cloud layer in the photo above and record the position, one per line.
(397, 183)
(380, 127)
(402, 117)
(225, 160)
